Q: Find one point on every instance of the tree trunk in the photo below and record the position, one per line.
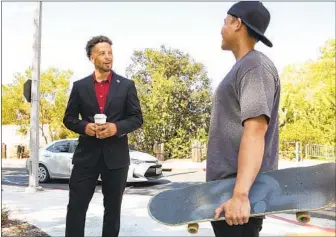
(43, 134)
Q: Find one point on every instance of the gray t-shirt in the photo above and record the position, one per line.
(250, 89)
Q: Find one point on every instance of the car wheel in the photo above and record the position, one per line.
(43, 174)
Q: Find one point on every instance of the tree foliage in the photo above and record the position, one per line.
(175, 97)
(54, 86)
(308, 100)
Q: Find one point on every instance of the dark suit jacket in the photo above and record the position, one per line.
(122, 108)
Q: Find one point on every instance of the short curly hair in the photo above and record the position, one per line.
(95, 40)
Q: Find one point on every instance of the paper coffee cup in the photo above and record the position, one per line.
(100, 118)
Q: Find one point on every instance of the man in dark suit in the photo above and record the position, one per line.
(102, 148)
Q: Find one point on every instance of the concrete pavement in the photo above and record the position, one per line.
(13, 163)
(47, 210)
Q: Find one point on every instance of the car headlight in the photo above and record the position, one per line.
(136, 161)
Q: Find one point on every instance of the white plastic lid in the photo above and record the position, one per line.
(100, 116)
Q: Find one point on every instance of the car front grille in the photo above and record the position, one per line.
(152, 171)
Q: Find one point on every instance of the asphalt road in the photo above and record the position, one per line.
(170, 180)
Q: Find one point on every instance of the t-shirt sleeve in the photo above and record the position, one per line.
(256, 92)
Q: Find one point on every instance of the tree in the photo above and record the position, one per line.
(308, 100)
(175, 97)
(54, 86)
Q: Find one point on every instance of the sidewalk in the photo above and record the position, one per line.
(13, 163)
(47, 210)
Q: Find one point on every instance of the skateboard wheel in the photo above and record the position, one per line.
(303, 217)
(193, 228)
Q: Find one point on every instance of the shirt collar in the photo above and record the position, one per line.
(109, 77)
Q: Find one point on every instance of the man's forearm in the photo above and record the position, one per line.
(134, 118)
(129, 125)
(71, 120)
(250, 158)
(74, 124)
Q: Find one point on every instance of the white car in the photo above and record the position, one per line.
(55, 162)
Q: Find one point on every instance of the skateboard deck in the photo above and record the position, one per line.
(296, 190)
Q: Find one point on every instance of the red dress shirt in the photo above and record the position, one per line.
(102, 89)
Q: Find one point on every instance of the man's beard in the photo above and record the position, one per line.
(104, 69)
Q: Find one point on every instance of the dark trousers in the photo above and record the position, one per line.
(82, 185)
(250, 229)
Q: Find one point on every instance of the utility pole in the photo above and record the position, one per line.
(35, 98)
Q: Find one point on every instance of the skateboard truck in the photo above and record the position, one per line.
(303, 217)
(193, 228)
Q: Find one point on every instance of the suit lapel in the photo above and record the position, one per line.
(113, 89)
(92, 93)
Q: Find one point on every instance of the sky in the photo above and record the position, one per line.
(297, 30)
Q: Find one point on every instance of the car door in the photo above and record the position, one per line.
(60, 159)
(73, 146)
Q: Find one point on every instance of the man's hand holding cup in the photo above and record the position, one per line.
(104, 129)
(91, 129)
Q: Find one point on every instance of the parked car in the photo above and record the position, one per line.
(55, 162)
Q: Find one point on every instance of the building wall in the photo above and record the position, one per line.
(12, 139)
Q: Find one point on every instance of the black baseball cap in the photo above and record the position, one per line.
(255, 16)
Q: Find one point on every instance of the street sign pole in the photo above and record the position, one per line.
(35, 97)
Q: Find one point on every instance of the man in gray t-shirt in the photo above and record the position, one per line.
(243, 136)
(249, 90)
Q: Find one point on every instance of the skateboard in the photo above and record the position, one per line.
(293, 190)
